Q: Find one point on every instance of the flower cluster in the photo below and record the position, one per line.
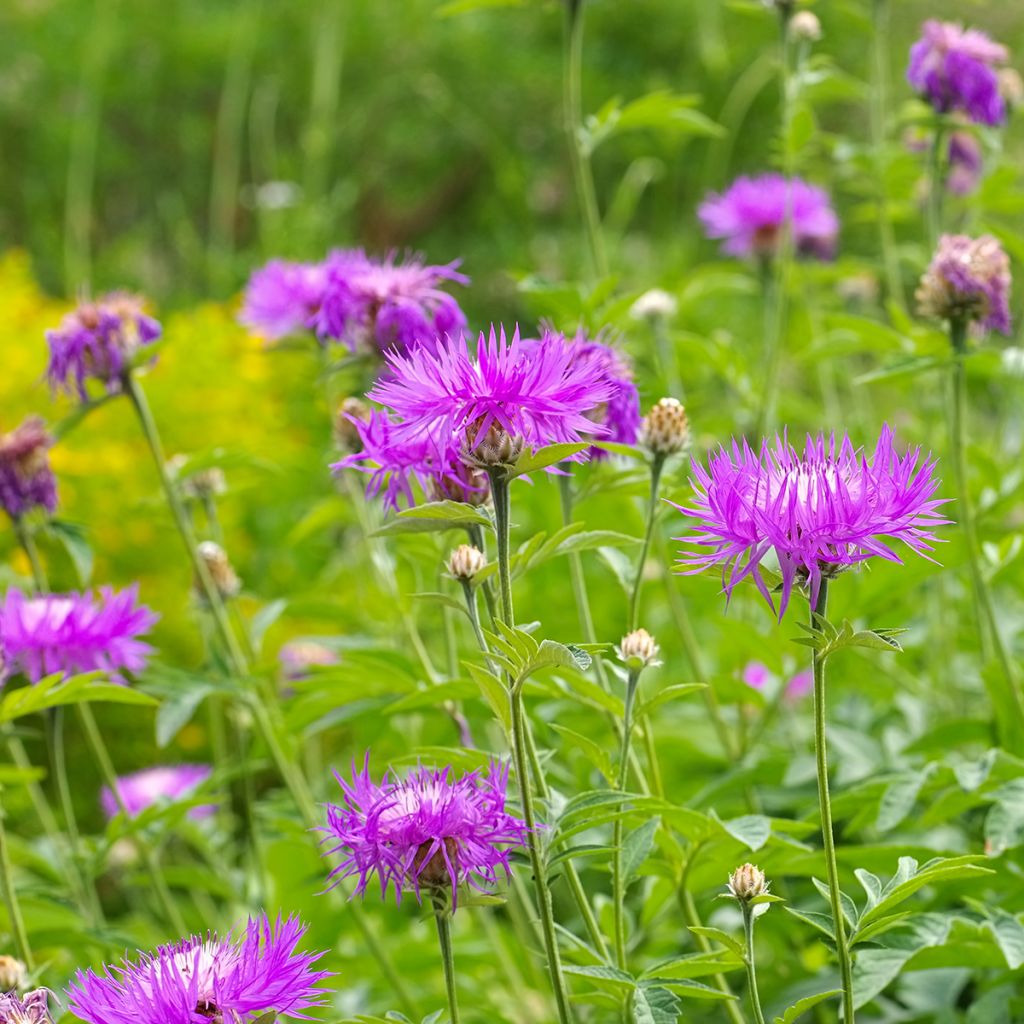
(99, 341)
(73, 633)
(26, 479)
(969, 279)
(144, 788)
(954, 69)
(206, 978)
(430, 829)
(829, 508)
(750, 217)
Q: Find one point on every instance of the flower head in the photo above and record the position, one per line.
(504, 395)
(32, 1008)
(638, 649)
(386, 304)
(73, 633)
(831, 507)
(429, 829)
(750, 215)
(99, 340)
(968, 278)
(665, 429)
(232, 979)
(144, 788)
(747, 883)
(956, 69)
(465, 562)
(26, 479)
(282, 298)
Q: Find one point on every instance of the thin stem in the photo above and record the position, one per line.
(444, 938)
(28, 545)
(582, 172)
(1006, 697)
(633, 615)
(825, 806)
(748, 959)
(618, 881)
(936, 184)
(21, 943)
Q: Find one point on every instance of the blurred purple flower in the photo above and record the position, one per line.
(387, 304)
(430, 829)
(144, 788)
(817, 513)
(26, 479)
(965, 163)
(74, 633)
(99, 340)
(206, 978)
(750, 215)
(297, 657)
(282, 298)
(755, 674)
(955, 69)
(33, 1008)
(800, 685)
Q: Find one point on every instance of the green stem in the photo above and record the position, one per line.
(936, 184)
(582, 172)
(748, 959)
(825, 806)
(21, 943)
(28, 545)
(1006, 697)
(618, 881)
(444, 938)
(633, 615)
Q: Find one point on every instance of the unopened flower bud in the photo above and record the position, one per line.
(224, 577)
(805, 27)
(352, 412)
(497, 447)
(466, 561)
(665, 429)
(13, 974)
(638, 649)
(747, 883)
(655, 304)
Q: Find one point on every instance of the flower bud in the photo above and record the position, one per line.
(655, 304)
(665, 429)
(747, 883)
(638, 649)
(346, 424)
(13, 974)
(466, 561)
(497, 447)
(805, 27)
(199, 485)
(219, 567)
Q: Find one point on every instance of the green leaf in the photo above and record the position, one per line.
(900, 796)
(636, 848)
(53, 691)
(850, 911)
(264, 619)
(494, 693)
(654, 1005)
(753, 830)
(531, 462)
(433, 517)
(801, 1006)
(665, 695)
(1009, 934)
(1004, 823)
(695, 965)
(719, 936)
(175, 712)
(596, 753)
(72, 538)
(601, 972)
(821, 922)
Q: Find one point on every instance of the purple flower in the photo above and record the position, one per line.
(99, 340)
(800, 685)
(73, 633)
(206, 978)
(297, 657)
(755, 674)
(750, 215)
(498, 399)
(282, 298)
(32, 1009)
(965, 163)
(820, 512)
(969, 279)
(26, 479)
(385, 304)
(144, 788)
(955, 69)
(430, 829)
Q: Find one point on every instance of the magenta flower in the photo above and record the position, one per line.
(818, 512)
(755, 674)
(32, 1009)
(800, 685)
(282, 298)
(533, 394)
(144, 788)
(384, 304)
(26, 479)
(750, 215)
(430, 829)
(206, 978)
(955, 69)
(99, 341)
(965, 163)
(74, 633)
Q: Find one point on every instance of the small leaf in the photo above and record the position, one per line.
(551, 455)
(636, 848)
(654, 1005)
(719, 936)
(801, 1006)
(753, 830)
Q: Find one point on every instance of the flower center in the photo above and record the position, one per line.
(432, 868)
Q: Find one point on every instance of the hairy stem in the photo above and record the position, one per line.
(444, 938)
(748, 959)
(618, 880)
(633, 614)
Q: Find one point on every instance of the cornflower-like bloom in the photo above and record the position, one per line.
(99, 340)
(956, 69)
(144, 788)
(26, 479)
(495, 401)
(819, 512)
(32, 1008)
(74, 633)
(282, 298)
(749, 217)
(968, 279)
(230, 980)
(430, 829)
(386, 304)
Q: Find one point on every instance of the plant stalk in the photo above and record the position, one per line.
(21, 943)
(748, 960)
(633, 615)
(618, 880)
(444, 938)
